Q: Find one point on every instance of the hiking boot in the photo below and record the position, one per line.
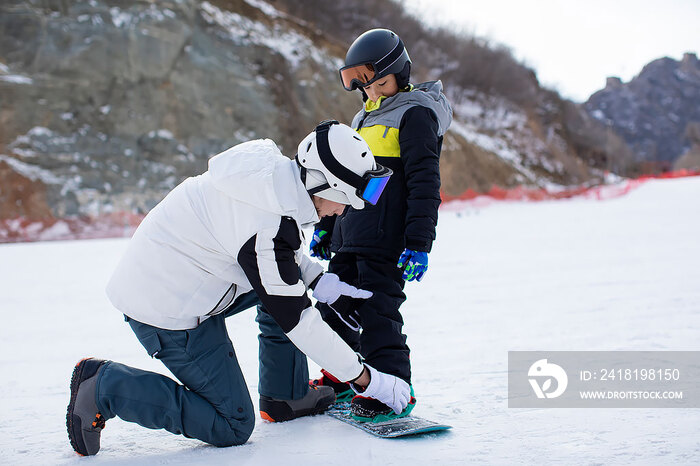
(364, 409)
(317, 400)
(83, 420)
(343, 392)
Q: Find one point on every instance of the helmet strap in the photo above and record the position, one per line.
(403, 76)
(328, 159)
(302, 175)
(318, 189)
(302, 170)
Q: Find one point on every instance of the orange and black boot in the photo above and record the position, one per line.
(342, 390)
(84, 421)
(317, 400)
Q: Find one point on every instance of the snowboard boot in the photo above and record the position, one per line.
(317, 400)
(343, 392)
(83, 420)
(364, 409)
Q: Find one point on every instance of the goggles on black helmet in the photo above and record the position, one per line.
(364, 74)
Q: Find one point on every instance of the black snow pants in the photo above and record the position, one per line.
(380, 342)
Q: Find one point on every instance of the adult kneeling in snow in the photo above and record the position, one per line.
(219, 243)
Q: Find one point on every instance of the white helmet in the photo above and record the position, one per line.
(338, 165)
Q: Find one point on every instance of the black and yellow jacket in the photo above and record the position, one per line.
(405, 133)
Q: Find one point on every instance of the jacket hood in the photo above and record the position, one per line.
(256, 173)
(428, 94)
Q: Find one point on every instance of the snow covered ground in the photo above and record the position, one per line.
(621, 274)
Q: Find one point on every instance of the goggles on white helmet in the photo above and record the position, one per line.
(337, 164)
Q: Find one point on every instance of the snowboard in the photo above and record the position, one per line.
(394, 428)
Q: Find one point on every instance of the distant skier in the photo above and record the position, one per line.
(211, 248)
(384, 245)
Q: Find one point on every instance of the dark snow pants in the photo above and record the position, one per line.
(381, 341)
(284, 372)
(213, 404)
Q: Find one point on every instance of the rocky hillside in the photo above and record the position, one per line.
(111, 104)
(106, 105)
(657, 113)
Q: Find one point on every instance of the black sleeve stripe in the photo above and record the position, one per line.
(286, 310)
(286, 242)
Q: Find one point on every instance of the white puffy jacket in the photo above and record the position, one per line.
(233, 229)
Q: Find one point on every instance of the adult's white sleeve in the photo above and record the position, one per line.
(269, 261)
(319, 342)
(310, 269)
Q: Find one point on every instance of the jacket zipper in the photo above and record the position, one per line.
(213, 311)
(359, 126)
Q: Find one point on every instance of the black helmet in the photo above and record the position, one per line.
(373, 55)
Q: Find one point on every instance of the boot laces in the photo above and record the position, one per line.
(99, 422)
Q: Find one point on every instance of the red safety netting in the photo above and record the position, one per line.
(522, 193)
(123, 224)
(112, 225)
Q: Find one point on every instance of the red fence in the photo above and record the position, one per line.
(522, 193)
(123, 224)
(113, 225)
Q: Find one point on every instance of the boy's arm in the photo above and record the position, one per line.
(420, 155)
(320, 245)
(326, 223)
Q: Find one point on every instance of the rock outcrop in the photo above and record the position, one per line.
(111, 104)
(107, 105)
(653, 111)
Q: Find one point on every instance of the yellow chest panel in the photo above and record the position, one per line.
(382, 140)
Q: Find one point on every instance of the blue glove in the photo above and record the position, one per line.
(414, 264)
(320, 245)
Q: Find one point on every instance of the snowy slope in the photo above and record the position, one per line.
(561, 275)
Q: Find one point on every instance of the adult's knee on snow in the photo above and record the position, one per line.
(237, 433)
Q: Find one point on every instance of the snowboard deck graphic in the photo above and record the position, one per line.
(401, 427)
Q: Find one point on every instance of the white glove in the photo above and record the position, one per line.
(389, 389)
(329, 288)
